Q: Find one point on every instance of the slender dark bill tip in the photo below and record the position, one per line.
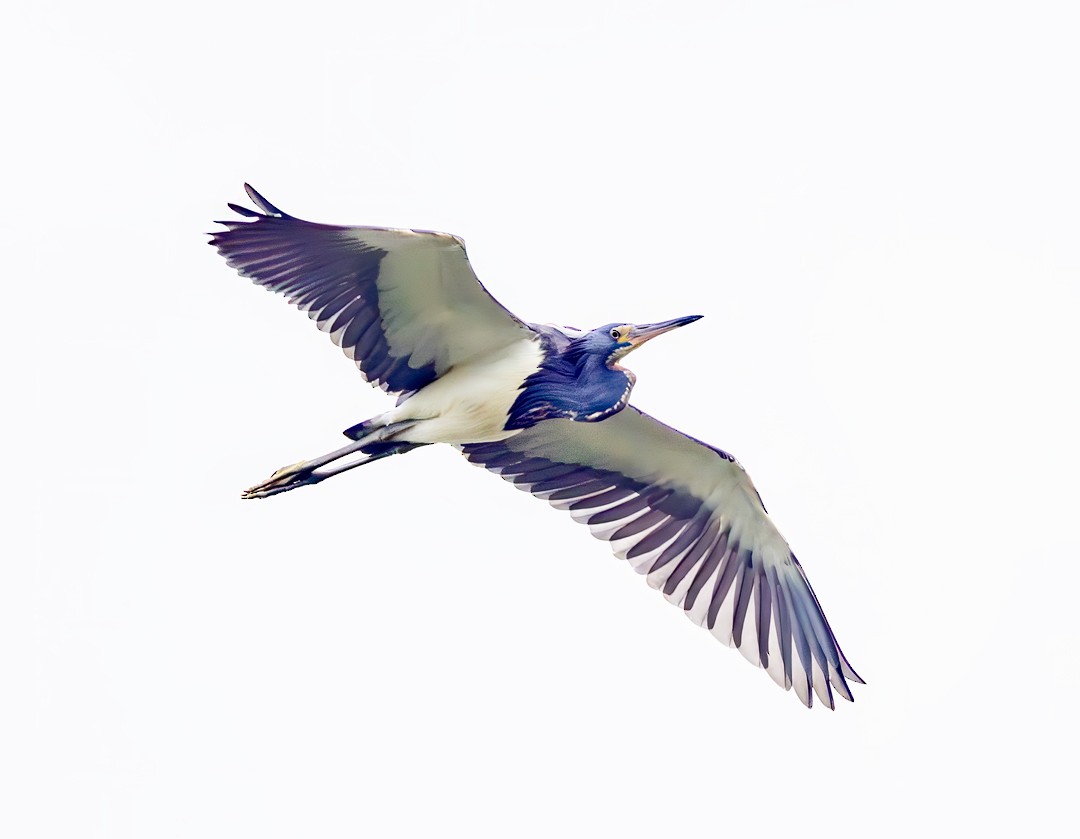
(666, 325)
(644, 331)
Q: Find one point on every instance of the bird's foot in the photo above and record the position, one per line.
(286, 478)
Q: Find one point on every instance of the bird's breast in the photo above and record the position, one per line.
(582, 395)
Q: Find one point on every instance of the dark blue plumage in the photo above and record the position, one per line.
(580, 379)
(578, 382)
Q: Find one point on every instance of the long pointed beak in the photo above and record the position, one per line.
(642, 332)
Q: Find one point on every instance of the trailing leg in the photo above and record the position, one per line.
(372, 446)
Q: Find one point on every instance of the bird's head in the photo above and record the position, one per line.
(614, 340)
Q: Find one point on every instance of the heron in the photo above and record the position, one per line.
(547, 409)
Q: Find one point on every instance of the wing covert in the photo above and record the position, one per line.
(404, 305)
(687, 517)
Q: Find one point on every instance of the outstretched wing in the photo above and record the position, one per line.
(403, 304)
(687, 517)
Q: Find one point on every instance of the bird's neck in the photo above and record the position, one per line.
(577, 386)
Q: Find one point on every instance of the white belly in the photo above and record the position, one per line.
(470, 403)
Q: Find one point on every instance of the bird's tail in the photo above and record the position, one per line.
(378, 447)
(361, 429)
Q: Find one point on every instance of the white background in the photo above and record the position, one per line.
(876, 207)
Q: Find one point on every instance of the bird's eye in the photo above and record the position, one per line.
(615, 334)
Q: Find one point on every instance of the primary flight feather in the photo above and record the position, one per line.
(546, 408)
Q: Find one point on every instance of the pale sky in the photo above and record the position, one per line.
(876, 209)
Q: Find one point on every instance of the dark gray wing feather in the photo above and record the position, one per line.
(686, 516)
(404, 305)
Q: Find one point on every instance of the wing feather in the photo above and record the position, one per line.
(404, 305)
(687, 517)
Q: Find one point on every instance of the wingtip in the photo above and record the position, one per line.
(849, 671)
(261, 202)
(244, 211)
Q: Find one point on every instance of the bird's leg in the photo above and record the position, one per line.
(308, 472)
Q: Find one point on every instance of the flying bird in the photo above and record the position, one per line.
(547, 409)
